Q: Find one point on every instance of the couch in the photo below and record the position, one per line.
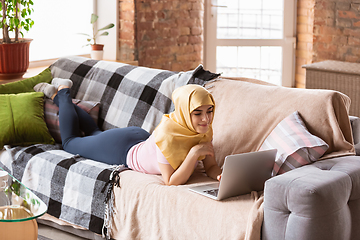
(316, 198)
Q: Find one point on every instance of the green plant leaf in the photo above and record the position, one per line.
(104, 34)
(94, 18)
(23, 13)
(11, 22)
(111, 25)
(16, 22)
(15, 188)
(84, 34)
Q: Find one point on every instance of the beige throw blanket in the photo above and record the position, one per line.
(147, 209)
(246, 113)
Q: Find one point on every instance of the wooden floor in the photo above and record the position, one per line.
(30, 73)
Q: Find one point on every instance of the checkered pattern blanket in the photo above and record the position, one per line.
(129, 96)
(69, 185)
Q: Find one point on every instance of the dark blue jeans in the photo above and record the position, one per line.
(110, 146)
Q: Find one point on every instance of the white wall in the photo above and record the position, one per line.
(108, 12)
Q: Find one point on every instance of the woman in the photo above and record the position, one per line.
(180, 140)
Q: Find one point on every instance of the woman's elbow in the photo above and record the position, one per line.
(172, 182)
(169, 183)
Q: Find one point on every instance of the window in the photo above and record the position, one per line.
(56, 28)
(256, 19)
(253, 39)
(265, 62)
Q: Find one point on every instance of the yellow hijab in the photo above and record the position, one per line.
(175, 135)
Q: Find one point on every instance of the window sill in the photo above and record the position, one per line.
(37, 67)
(30, 73)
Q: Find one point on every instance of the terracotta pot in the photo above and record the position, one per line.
(14, 59)
(97, 47)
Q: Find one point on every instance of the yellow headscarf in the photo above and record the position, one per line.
(175, 135)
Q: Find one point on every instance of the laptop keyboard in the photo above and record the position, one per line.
(213, 192)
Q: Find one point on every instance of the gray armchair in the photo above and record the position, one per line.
(317, 201)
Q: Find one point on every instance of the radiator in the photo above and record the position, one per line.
(336, 75)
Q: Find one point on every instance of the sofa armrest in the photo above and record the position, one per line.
(317, 201)
(355, 126)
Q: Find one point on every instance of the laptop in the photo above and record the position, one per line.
(242, 173)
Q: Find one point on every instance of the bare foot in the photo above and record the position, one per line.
(53, 96)
(59, 88)
(62, 87)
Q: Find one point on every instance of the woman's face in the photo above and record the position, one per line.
(201, 118)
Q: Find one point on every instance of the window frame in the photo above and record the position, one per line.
(288, 42)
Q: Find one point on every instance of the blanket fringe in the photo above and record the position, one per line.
(114, 180)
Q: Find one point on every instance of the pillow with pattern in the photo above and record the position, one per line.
(295, 144)
(51, 114)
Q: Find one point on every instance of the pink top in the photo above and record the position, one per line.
(145, 156)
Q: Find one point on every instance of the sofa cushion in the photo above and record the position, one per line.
(129, 95)
(246, 113)
(295, 146)
(22, 119)
(26, 85)
(51, 112)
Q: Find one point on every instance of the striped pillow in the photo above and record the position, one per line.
(296, 146)
(51, 114)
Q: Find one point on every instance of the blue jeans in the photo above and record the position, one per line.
(110, 146)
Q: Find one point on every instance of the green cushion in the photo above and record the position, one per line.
(26, 85)
(22, 119)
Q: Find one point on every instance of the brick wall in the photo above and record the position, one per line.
(304, 32)
(170, 33)
(337, 30)
(335, 33)
(127, 36)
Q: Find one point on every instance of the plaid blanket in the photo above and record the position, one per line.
(129, 95)
(69, 185)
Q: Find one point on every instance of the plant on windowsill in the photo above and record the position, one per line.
(97, 49)
(14, 52)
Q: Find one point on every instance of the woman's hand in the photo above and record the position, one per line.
(210, 164)
(203, 149)
(184, 171)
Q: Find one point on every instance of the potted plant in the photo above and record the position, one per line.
(97, 49)
(14, 51)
